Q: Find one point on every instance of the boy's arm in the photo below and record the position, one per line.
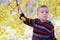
(26, 20)
(52, 33)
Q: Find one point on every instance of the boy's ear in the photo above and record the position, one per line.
(37, 14)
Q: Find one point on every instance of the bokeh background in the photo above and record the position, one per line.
(12, 28)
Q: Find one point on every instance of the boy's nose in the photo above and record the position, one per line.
(44, 12)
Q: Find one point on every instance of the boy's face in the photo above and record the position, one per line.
(43, 13)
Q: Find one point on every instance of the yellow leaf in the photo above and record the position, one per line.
(23, 26)
(58, 37)
(1, 7)
(6, 15)
(40, 1)
(6, 10)
(12, 5)
(10, 0)
(15, 34)
(9, 7)
(46, 1)
(14, 17)
(22, 32)
(38, 4)
(4, 38)
(23, 3)
(6, 33)
(2, 30)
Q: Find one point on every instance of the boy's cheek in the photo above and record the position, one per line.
(45, 18)
(42, 16)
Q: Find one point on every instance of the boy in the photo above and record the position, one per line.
(42, 28)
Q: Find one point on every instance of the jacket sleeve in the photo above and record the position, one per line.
(52, 33)
(27, 21)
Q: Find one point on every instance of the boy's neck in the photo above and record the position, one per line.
(42, 20)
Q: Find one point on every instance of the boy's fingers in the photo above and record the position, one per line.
(22, 18)
(21, 15)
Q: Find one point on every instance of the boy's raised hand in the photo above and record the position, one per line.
(22, 16)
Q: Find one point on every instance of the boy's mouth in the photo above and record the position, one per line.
(45, 16)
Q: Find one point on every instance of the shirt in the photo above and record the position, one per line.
(41, 30)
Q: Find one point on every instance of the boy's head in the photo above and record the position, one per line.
(42, 12)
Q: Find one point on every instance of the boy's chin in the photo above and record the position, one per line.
(45, 19)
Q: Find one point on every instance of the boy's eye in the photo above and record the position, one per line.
(46, 11)
(42, 12)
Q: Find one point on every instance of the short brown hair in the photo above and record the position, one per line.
(42, 7)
